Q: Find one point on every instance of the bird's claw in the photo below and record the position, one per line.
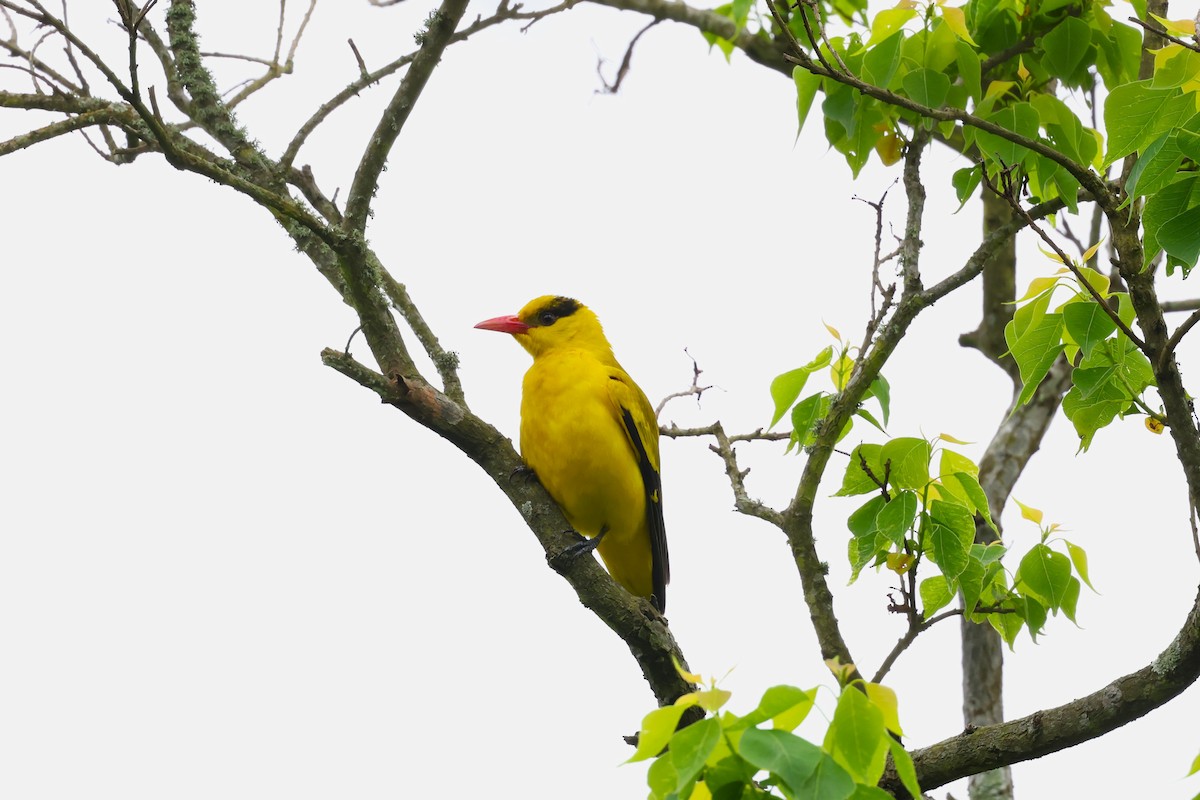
(583, 547)
(524, 471)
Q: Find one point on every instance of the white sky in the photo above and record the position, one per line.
(225, 569)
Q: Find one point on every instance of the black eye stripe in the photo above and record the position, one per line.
(555, 310)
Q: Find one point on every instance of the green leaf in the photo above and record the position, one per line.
(895, 519)
(1035, 351)
(869, 417)
(1156, 167)
(970, 585)
(807, 85)
(1034, 614)
(988, 553)
(1071, 599)
(862, 521)
(857, 737)
(1044, 575)
(927, 87)
(970, 68)
(1041, 290)
(881, 391)
(785, 389)
(1119, 52)
(1179, 236)
(1136, 114)
(1007, 625)
(1088, 324)
(662, 778)
(785, 706)
(887, 23)
(869, 793)
(827, 782)
(1080, 560)
(935, 595)
(1195, 766)
(690, 748)
(881, 61)
(856, 480)
(956, 462)
(1179, 69)
(1165, 205)
(1188, 143)
(1020, 118)
(805, 416)
(786, 756)
(1095, 409)
(732, 772)
(906, 462)
(886, 701)
(966, 181)
(905, 768)
(657, 729)
(1065, 47)
(862, 550)
(950, 541)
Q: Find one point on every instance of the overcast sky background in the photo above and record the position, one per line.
(225, 570)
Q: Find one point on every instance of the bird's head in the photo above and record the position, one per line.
(550, 322)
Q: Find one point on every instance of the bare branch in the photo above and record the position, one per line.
(910, 636)
(434, 39)
(1169, 306)
(623, 70)
(737, 476)
(1182, 331)
(444, 361)
(1158, 30)
(110, 115)
(503, 13)
(695, 390)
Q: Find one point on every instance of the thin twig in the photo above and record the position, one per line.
(908, 638)
(1179, 333)
(623, 70)
(1161, 32)
(694, 390)
(742, 501)
(1069, 264)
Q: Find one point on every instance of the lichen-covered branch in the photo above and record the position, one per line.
(441, 26)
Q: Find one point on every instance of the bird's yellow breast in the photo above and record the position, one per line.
(573, 437)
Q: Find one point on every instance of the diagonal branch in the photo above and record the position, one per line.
(1054, 729)
(642, 629)
(441, 26)
(101, 116)
(503, 12)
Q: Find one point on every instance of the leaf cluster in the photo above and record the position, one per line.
(1110, 375)
(727, 756)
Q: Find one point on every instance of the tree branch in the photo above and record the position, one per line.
(632, 618)
(433, 40)
(1051, 730)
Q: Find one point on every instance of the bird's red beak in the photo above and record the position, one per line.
(508, 324)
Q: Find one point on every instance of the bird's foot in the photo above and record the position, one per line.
(524, 471)
(583, 547)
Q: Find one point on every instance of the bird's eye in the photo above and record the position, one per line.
(547, 318)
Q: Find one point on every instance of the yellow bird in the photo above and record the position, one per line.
(590, 435)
